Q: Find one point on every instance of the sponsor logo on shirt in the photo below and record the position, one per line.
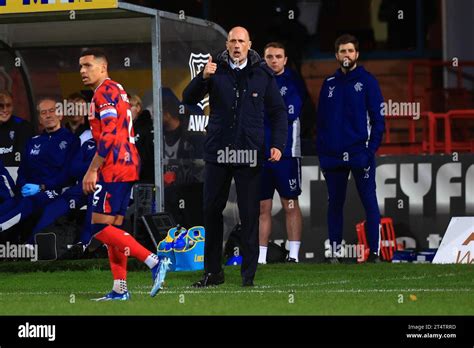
(63, 145)
(331, 91)
(35, 150)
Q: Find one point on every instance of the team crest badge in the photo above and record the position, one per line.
(197, 62)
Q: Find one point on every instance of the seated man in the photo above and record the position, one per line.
(14, 132)
(73, 197)
(43, 171)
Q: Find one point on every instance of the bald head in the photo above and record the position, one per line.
(239, 31)
(238, 44)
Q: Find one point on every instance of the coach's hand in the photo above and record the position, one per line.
(209, 69)
(89, 182)
(275, 155)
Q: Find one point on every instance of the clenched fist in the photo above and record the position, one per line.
(209, 69)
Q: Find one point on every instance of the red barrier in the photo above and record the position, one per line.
(388, 241)
(430, 124)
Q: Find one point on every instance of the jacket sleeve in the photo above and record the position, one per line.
(62, 178)
(278, 116)
(296, 104)
(321, 109)
(23, 169)
(298, 99)
(82, 160)
(374, 109)
(196, 90)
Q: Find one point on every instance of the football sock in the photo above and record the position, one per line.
(151, 260)
(118, 263)
(262, 256)
(123, 241)
(120, 286)
(294, 249)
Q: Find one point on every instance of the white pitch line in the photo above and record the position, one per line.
(256, 290)
(303, 285)
(267, 288)
(272, 286)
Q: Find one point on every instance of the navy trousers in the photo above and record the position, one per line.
(336, 175)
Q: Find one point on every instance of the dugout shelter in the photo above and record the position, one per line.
(148, 50)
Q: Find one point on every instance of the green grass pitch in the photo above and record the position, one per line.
(280, 289)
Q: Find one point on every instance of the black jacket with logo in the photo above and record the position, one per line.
(237, 104)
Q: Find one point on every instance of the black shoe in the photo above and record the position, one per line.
(210, 279)
(291, 260)
(247, 282)
(373, 258)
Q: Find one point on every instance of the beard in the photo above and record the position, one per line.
(347, 63)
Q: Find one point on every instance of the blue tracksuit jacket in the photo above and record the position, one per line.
(349, 114)
(47, 159)
(293, 93)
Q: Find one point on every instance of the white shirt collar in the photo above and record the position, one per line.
(240, 66)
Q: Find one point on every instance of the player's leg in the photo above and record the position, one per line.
(247, 182)
(118, 266)
(336, 182)
(294, 226)
(265, 229)
(107, 216)
(265, 219)
(288, 175)
(365, 182)
(109, 203)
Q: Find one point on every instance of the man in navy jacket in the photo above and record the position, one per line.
(350, 127)
(44, 168)
(240, 87)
